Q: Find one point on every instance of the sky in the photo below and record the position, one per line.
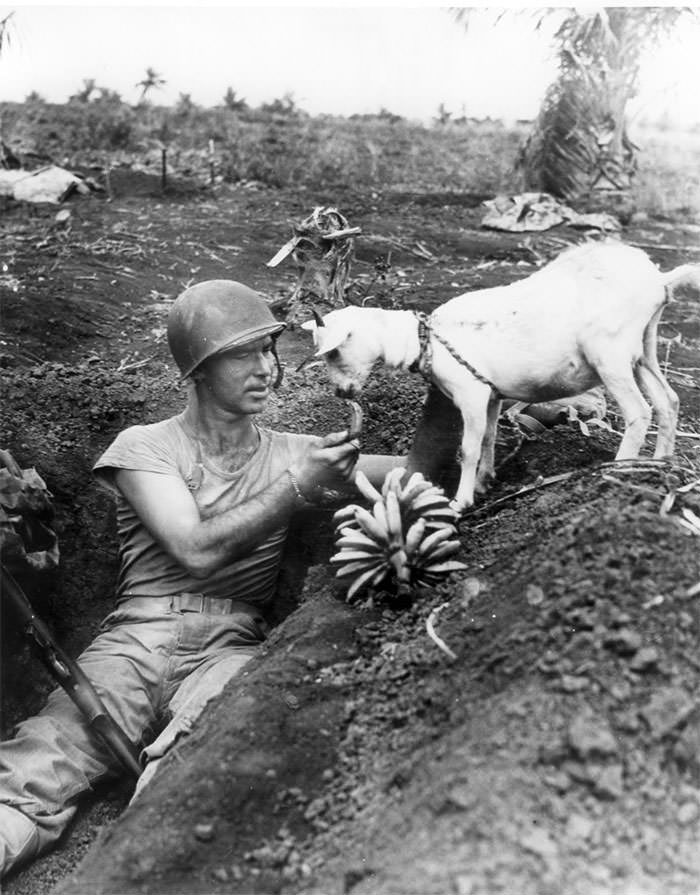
(332, 59)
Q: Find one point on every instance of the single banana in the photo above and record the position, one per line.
(359, 542)
(393, 517)
(414, 536)
(435, 524)
(346, 556)
(444, 568)
(357, 568)
(371, 526)
(379, 575)
(392, 479)
(401, 567)
(433, 539)
(366, 488)
(379, 513)
(409, 494)
(344, 513)
(428, 501)
(440, 552)
(370, 575)
(356, 420)
(414, 479)
(441, 514)
(350, 537)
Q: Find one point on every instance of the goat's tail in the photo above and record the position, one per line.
(685, 275)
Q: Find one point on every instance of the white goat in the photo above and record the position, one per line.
(588, 317)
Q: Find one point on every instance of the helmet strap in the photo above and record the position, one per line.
(280, 371)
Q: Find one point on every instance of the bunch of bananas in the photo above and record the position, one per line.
(408, 536)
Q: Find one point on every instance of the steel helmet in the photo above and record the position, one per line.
(214, 316)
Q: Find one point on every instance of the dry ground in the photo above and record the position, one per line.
(557, 753)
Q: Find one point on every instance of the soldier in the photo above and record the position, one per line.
(204, 501)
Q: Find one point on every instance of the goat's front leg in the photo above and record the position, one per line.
(473, 405)
(486, 471)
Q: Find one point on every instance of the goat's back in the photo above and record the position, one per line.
(539, 338)
(610, 279)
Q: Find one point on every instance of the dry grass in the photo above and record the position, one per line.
(668, 180)
(326, 152)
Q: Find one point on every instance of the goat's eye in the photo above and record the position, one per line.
(333, 354)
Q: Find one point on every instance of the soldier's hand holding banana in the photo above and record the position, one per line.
(331, 463)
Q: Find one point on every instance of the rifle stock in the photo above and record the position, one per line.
(71, 677)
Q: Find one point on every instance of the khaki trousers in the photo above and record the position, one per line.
(155, 669)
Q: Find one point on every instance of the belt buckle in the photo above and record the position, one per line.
(185, 603)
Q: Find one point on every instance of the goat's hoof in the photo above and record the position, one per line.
(459, 507)
(484, 485)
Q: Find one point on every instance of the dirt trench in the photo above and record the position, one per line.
(557, 753)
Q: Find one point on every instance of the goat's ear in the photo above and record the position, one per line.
(309, 326)
(329, 341)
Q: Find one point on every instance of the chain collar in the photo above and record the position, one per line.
(424, 362)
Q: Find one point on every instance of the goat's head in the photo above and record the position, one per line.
(349, 344)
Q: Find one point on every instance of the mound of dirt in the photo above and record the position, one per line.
(556, 753)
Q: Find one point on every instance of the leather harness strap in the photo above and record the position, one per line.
(424, 362)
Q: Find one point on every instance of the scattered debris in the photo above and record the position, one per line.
(645, 660)
(540, 211)
(624, 641)
(430, 628)
(51, 184)
(205, 832)
(322, 249)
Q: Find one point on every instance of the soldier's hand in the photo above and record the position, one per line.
(330, 462)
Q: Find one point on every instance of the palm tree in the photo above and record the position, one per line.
(233, 102)
(5, 31)
(579, 140)
(151, 81)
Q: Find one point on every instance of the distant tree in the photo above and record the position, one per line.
(5, 31)
(34, 97)
(233, 102)
(85, 93)
(579, 139)
(152, 81)
(185, 105)
(385, 114)
(286, 105)
(443, 115)
(109, 96)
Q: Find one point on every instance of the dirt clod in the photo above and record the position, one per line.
(591, 737)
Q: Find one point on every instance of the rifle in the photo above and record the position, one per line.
(71, 677)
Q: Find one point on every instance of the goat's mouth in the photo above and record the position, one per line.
(346, 391)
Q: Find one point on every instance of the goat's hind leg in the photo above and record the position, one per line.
(663, 399)
(618, 378)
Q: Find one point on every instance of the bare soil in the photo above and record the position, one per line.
(558, 753)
